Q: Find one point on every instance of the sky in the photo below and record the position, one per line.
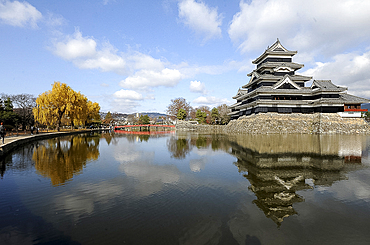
(136, 56)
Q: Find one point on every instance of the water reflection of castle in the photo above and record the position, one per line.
(277, 166)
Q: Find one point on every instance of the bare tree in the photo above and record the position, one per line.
(223, 111)
(176, 105)
(24, 103)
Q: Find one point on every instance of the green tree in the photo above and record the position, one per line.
(201, 116)
(207, 112)
(215, 115)
(144, 119)
(7, 115)
(181, 114)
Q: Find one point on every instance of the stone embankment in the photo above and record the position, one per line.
(16, 141)
(274, 123)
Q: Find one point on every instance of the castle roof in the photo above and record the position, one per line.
(275, 49)
(348, 99)
(272, 65)
(271, 77)
(326, 85)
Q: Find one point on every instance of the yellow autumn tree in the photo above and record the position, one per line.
(78, 109)
(63, 102)
(93, 109)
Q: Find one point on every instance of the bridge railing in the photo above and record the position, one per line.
(144, 125)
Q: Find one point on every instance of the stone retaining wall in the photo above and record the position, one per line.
(274, 123)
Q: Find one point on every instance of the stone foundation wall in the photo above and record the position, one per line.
(275, 123)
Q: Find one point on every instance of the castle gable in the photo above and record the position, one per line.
(286, 83)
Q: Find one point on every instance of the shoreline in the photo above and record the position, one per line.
(14, 141)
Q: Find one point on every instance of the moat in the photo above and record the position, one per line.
(187, 188)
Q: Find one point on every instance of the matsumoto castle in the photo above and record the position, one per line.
(274, 87)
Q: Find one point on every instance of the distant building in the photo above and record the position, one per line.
(274, 87)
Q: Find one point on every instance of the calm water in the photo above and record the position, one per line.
(187, 189)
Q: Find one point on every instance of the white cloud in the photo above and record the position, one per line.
(128, 94)
(142, 61)
(350, 70)
(83, 52)
(151, 78)
(105, 60)
(143, 71)
(200, 18)
(197, 87)
(211, 100)
(325, 27)
(124, 105)
(19, 14)
(76, 46)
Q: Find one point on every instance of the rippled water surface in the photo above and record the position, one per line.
(173, 188)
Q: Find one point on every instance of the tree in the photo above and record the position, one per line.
(62, 101)
(193, 112)
(144, 119)
(176, 105)
(7, 114)
(93, 115)
(77, 110)
(24, 103)
(223, 110)
(201, 116)
(207, 112)
(108, 118)
(52, 105)
(215, 115)
(181, 114)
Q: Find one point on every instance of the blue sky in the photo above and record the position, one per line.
(135, 56)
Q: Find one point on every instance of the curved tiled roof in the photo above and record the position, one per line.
(348, 98)
(276, 48)
(326, 85)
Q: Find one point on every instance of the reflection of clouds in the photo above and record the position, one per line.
(356, 188)
(208, 152)
(151, 173)
(74, 204)
(151, 177)
(138, 164)
(127, 152)
(127, 156)
(83, 198)
(196, 165)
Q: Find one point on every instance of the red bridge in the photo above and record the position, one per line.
(144, 125)
(140, 126)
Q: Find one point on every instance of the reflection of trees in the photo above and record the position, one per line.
(178, 147)
(109, 137)
(61, 158)
(144, 137)
(181, 145)
(19, 160)
(275, 174)
(201, 142)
